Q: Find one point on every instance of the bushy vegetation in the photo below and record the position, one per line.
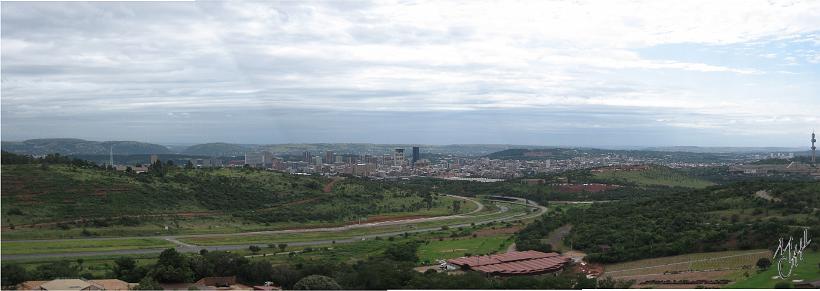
(712, 219)
(61, 191)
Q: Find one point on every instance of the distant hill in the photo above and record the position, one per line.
(73, 146)
(534, 154)
(217, 149)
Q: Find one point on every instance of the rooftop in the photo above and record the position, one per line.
(514, 263)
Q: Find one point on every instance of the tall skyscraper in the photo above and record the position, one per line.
(813, 149)
(415, 155)
(398, 157)
(330, 157)
(306, 157)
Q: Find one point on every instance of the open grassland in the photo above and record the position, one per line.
(216, 223)
(513, 209)
(688, 262)
(459, 247)
(655, 176)
(808, 271)
(67, 246)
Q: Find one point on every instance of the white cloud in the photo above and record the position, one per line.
(448, 56)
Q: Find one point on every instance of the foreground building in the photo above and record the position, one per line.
(77, 284)
(513, 263)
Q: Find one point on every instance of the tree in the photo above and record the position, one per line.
(256, 272)
(58, 269)
(148, 283)
(189, 165)
(282, 247)
(317, 282)
(403, 251)
(172, 267)
(254, 249)
(13, 274)
(126, 269)
(456, 206)
(764, 263)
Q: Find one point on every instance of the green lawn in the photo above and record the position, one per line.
(656, 176)
(18, 248)
(808, 270)
(448, 249)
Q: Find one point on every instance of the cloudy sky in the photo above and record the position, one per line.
(716, 73)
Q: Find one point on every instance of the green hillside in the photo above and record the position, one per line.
(654, 176)
(73, 146)
(63, 196)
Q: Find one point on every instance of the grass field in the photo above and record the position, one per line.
(18, 248)
(448, 249)
(293, 237)
(808, 270)
(656, 176)
(695, 262)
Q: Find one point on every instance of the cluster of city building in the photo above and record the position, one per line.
(397, 164)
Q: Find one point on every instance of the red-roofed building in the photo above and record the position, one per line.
(513, 263)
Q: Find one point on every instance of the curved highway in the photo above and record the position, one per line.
(187, 247)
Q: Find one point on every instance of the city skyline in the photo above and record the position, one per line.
(613, 74)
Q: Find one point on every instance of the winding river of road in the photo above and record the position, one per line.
(187, 247)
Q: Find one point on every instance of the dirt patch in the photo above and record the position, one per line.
(329, 186)
(556, 237)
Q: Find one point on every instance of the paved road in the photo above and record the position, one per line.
(185, 247)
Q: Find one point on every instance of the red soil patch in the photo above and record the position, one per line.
(329, 186)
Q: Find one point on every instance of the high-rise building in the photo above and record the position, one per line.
(329, 157)
(398, 157)
(259, 159)
(415, 155)
(154, 159)
(306, 157)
